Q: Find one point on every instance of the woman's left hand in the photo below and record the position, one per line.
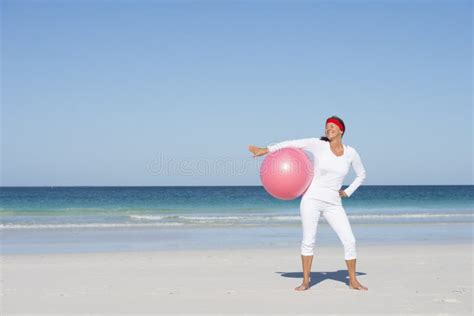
(342, 194)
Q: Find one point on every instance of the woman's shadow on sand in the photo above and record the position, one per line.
(317, 277)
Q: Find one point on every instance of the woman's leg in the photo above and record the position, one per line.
(353, 282)
(309, 218)
(337, 219)
(306, 262)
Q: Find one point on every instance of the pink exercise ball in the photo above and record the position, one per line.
(286, 173)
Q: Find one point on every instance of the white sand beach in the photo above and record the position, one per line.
(402, 279)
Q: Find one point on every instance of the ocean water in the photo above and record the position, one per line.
(35, 219)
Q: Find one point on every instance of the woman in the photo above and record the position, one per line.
(332, 161)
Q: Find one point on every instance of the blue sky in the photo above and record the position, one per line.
(172, 92)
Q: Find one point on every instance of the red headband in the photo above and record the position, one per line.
(333, 120)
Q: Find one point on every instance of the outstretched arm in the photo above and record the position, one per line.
(258, 151)
(298, 143)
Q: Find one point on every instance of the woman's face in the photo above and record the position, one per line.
(332, 131)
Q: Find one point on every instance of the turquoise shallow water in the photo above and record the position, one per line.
(70, 219)
(105, 207)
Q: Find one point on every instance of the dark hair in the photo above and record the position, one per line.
(340, 121)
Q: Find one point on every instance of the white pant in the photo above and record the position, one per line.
(310, 211)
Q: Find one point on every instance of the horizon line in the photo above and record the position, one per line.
(170, 186)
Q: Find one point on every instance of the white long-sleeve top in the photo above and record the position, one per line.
(329, 169)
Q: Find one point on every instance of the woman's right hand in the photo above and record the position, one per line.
(257, 151)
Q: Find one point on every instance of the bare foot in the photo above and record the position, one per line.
(304, 286)
(357, 286)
